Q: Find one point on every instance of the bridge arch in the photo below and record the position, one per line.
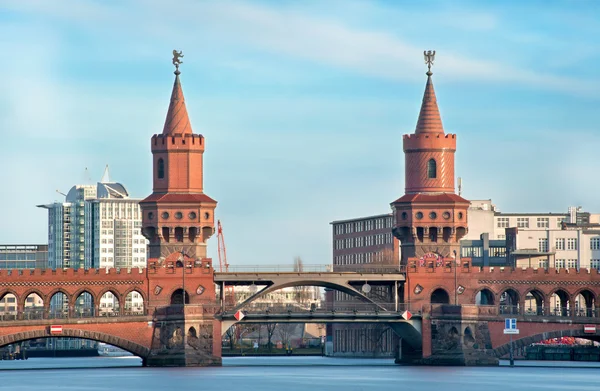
(509, 300)
(526, 341)
(534, 301)
(559, 301)
(439, 296)
(585, 302)
(121, 343)
(28, 292)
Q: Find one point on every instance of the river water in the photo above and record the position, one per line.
(289, 374)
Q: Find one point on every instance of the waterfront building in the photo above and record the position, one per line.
(98, 226)
(23, 256)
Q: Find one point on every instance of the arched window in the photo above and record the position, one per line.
(161, 168)
(431, 169)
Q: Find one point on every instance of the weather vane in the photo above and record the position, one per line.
(429, 58)
(177, 55)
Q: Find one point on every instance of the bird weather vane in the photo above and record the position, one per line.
(177, 55)
(429, 58)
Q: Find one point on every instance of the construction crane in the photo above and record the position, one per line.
(229, 294)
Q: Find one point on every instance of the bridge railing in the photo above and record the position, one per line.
(512, 310)
(364, 268)
(43, 314)
(346, 307)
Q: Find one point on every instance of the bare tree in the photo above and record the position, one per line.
(232, 334)
(286, 331)
(375, 333)
(270, 331)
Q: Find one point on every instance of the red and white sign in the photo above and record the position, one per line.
(55, 329)
(406, 315)
(239, 315)
(589, 329)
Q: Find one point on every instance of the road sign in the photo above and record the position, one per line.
(510, 326)
(406, 315)
(239, 315)
(589, 329)
(55, 329)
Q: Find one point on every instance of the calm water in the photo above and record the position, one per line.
(287, 374)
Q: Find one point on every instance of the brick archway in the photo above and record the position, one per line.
(526, 341)
(132, 347)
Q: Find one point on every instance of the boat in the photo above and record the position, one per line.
(106, 350)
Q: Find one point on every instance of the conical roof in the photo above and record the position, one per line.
(429, 117)
(177, 121)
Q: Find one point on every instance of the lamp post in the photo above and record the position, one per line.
(183, 278)
(455, 280)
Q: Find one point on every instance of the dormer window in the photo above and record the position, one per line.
(431, 169)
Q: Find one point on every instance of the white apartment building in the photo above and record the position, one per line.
(98, 226)
(560, 240)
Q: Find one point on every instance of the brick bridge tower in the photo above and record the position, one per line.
(429, 219)
(177, 219)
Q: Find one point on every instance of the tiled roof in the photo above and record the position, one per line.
(429, 117)
(419, 197)
(176, 198)
(177, 121)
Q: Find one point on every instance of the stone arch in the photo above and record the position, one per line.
(534, 301)
(484, 296)
(28, 292)
(440, 296)
(585, 302)
(33, 310)
(468, 338)
(192, 332)
(132, 307)
(177, 296)
(509, 301)
(525, 341)
(83, 303)
(105, 307)
(559, 302)
(132, 347)
(58, 308)
(9, 304)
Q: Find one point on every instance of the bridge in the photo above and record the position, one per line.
(439, 330)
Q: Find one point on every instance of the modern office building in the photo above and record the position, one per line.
(23, 256)
(98, 226)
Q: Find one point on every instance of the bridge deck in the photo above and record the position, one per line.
(257, 277)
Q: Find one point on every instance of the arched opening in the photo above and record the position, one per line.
(468, 337)
(440, 296)
(177, 297)
(192, 333)
(84, 305)
(484, 297)
(192, 234)
(134, 303)
(509, 302)
(559, 303)
(534, 303)
(109, 304)
(34, 307)
(431, 169)
(433, 234)
(585, 303)
(8, 307)
(447, 233)
(166, 234)
(161, 168)
(59, 306)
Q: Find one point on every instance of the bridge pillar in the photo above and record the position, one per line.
(452, 335)
(185, 337)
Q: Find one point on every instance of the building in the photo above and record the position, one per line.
(23, 256)
(98, 226)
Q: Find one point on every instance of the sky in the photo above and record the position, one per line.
(303, 105)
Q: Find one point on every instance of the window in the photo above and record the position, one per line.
(543, 264)
(572, 244)
(523, 222)
(595, 264)
(161, 168)
(595, 244)
(559, 263)
(502, 222)
(572, 263)
(543, 245)
(543, 222)
(431, 169)
(560, 243)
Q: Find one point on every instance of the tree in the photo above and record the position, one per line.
(232, 334)
(286, 331)
(375, 333)
(270, 331)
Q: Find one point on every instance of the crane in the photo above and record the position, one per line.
(229, 294)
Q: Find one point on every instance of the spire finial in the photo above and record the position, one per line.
(429, 58)
(176, 61)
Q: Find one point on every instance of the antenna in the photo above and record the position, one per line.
(60, 192)
(87, 176)
(459, 185)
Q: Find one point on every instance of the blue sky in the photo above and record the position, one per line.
(303, 106)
